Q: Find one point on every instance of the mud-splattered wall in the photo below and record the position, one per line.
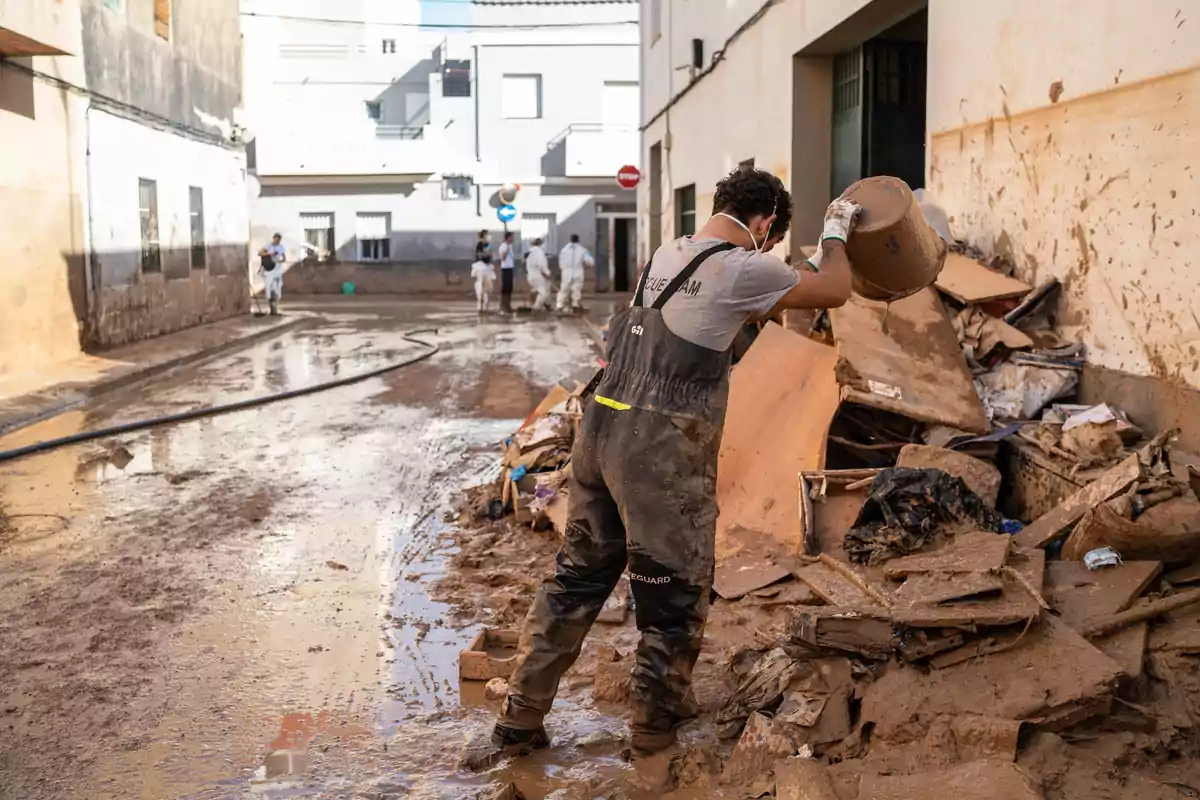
(178, 62)
(1069, 140)
(188, 70)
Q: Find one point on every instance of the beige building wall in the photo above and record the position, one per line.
(43, 284)
(1067, 140)
(1077, 155)
(744, 107)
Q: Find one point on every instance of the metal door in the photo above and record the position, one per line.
(847, 120)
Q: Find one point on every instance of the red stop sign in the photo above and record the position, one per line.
(628, 176)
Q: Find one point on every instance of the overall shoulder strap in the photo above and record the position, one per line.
(686, 273)
(641, 287)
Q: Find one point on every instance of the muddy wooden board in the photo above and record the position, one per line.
(1047, 677)
(915, 369)
(1127, 647)
(979, 646)
(978, 551)
(782, 397)
(1014, 604)
(835, 588)
(932, 588)
(1078, 593)
(744, 572)
(989, 779)
(968, 281)
(865, 633)
(1051, 526)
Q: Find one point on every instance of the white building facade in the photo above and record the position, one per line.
(382, 133)
(1066, 141)
(123, 182)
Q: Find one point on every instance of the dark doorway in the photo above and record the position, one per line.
(879, 107)
(624, 252)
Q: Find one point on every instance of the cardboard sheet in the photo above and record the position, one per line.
(968, 281)
(916, 368)
(782, 398)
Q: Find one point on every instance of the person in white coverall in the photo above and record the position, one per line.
(572, 261)
(537, 270)
(485, 277)
(271, 269)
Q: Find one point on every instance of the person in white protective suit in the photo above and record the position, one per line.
(537, 270)
(572, 262)
(484, 275)
(271, 269)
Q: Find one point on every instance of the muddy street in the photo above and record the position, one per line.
(241, 606)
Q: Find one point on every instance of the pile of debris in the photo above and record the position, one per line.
(980, 584)
(925, 674)
(980, 588)
(536, 464)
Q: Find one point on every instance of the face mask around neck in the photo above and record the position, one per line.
(743, 226)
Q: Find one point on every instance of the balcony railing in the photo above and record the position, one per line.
(399, 132)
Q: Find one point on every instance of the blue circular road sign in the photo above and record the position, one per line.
(506, 213)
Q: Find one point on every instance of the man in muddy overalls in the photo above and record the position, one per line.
(644, 466)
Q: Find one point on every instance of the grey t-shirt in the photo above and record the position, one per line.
(728, 289)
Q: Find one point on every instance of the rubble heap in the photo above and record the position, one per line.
(536, 463)
(979, 589)
(1001, 583)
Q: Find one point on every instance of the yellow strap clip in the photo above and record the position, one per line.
(615, 404)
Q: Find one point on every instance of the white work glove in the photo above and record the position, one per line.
(839, 219)
(839, 222)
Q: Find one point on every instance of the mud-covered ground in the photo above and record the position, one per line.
(271, 603)
(240, 606)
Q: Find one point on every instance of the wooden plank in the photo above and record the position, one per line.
(968, 281)
(978, 551)
(743, 573)
(915, 368)
(782, 398)
(834, 588)
(1140, 612)
(1078, 593)
(1015, 603)
(1051, 526)
(866, 633)
(931, 588)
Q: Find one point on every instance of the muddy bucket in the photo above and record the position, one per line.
(894, 251)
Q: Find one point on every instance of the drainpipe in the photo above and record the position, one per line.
(475, 95)
(90, 267)
(475, 92)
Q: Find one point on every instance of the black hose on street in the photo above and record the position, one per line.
(211, 411)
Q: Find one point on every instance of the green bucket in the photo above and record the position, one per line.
(347, 288)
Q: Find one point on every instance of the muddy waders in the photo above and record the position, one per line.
(643, 495)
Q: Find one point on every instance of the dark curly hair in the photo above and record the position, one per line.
(748, 192)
